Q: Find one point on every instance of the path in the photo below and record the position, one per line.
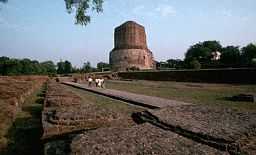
(137, 99)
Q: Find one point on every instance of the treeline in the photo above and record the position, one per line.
(12, 66)
(211, 54)
(200, 55)
(65, 67)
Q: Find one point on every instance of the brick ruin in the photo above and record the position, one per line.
(130, 49)
(74, 125)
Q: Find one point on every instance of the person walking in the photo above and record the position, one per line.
(90, 82)
(102, 83)
(96, 82)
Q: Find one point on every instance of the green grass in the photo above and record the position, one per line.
(24, 135)
(104, 102)
(197, 93)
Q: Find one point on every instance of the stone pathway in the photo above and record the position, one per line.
(137, 99)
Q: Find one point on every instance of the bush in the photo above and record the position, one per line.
(194, 64)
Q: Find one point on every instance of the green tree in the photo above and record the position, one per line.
(248, 54)
(27, 67)
(10, 66)
(213, 45)
(67, 67)
(76, 70)
(231, 55)
(81, 7)
(4, 1)
(4, 65)
(48, 67)
(102, 65)
(202, 51)
(175, 63)
(60, 67)
(36, 68)
(15, 67)
(87, 67)
(194, 64)
(64, 67)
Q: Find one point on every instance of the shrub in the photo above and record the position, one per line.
(194, 64)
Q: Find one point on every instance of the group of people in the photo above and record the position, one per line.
(99, 82)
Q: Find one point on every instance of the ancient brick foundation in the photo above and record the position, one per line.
(125, 59)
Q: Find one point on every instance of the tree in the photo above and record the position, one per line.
(27, 67)
(48, 67)
(3, 65)
(175, 63)
(64, 67)
(67, 67)
(202, 51)
(248, 54)
(76, 70)
(231, 55)
(60, 67)
(10, 66)
(102, 65)
(87, 67)
(81, 7)
(4, 1)
(194, 64)
(36, 68)
(213, 45)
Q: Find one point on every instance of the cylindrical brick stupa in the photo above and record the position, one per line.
(130, 49)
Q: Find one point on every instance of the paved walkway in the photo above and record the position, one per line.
(137, 99)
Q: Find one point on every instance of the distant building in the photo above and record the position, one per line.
(216, 56)
(130, 49)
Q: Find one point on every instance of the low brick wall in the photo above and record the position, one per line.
(242, 76)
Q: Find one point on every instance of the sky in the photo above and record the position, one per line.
(43, 30)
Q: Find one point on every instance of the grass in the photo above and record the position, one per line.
(104, 102)
(197, 93)
(24, 135)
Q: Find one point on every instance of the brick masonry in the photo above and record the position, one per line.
(130, 48)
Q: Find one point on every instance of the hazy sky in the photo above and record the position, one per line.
(43, 30)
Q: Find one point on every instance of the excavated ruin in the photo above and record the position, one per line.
(221, 128)
(13, 92)
(64, 112)
(84, 128)
(140, 139)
